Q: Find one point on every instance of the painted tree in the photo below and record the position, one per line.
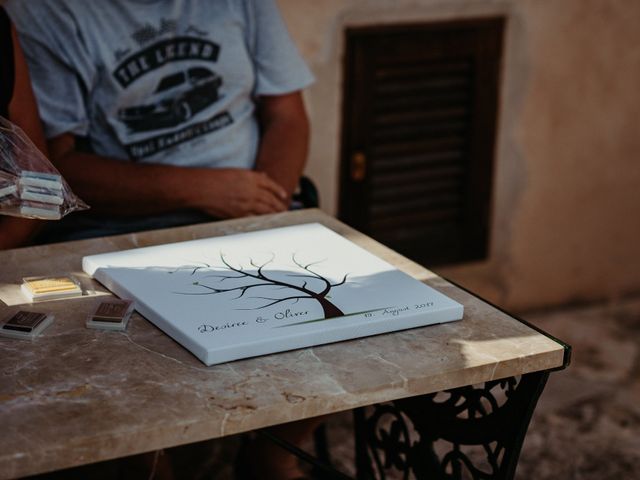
(310, 285)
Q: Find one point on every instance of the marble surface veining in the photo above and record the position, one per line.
(76, 396)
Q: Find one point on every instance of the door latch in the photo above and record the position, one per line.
(358, 166)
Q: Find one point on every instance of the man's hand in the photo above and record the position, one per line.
(233, 193)
(123, 188)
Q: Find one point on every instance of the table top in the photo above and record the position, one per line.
(75, 396)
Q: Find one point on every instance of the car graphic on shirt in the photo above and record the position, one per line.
(176, 99)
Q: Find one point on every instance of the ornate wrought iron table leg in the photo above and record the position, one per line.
(469, 432)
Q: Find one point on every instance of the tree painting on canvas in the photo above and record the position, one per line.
(240, 283)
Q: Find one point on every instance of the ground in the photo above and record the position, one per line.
(587, 424)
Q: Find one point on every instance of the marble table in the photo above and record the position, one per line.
(76, 396)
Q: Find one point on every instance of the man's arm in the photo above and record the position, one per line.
(15, 232)
(284, 142)
(122, 188)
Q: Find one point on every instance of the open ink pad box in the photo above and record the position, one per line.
(41, 179)
(39, 289)
(25, 325)
(112, 314)
(41, 195)
(43, 211)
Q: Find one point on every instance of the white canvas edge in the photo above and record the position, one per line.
(335, 334)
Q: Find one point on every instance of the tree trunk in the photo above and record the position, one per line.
(330, 310)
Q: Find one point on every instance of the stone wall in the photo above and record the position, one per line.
(566, 215)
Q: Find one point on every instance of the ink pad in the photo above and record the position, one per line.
(41, 194)
(112, 314)
(44, 211)
(41, 179)
(25, 324)
(50, 288)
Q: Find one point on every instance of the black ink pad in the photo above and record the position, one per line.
(111, 315)
(25, 324)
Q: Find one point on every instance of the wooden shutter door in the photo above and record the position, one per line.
(419, 126)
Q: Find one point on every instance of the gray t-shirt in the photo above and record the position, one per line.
(158, 81)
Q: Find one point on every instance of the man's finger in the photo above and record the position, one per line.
(261, 209)
(262, 206)
(272, 186)
(269, 200)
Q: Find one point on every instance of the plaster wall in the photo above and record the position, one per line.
(566, 214)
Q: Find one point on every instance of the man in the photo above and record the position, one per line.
(167, 112)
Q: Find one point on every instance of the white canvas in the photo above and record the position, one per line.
(250, 294)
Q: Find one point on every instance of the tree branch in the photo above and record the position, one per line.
(259, 275)
(215, 291)
(275, 302)
(240, 270)
(306, 268)
(195, 268)
(342, 282)
(224, 277)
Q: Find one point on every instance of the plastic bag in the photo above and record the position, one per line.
(30, 186)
